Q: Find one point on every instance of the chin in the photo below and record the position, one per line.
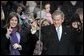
(13, 26)
(57, 25)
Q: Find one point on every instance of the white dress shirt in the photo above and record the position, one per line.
(60, 32)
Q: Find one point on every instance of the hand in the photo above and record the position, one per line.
(9, 30)
(75, 25)
(15, 46)
(34, 25)
(20, 47)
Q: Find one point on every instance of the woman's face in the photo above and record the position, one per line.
(13, 21)
(47, 7)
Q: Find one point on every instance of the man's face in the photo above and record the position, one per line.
(57, 20)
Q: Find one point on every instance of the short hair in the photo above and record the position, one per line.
(58, 12)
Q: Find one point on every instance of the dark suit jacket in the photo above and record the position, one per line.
(78, 40)
(27, 42)
(4, 42)
(52, 46)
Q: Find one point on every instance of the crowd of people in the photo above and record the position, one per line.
(50, 28)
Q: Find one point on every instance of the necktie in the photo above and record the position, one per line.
(58, 33)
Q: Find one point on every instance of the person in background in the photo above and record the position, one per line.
(80, 13)
(18, 10)
(78, 34)
(70, 9)
(2, 17)
(45, 13)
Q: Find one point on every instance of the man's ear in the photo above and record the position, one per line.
(63, 20)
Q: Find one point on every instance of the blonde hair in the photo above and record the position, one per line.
(79, 11)
(45, 22)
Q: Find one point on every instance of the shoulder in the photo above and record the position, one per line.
(66, 27)
(48, 14)
(47, 28)
(3, 37)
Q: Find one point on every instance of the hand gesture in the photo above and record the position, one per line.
(9, 30)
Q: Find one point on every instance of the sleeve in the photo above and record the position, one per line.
(4, 45)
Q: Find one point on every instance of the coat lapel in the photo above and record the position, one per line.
(63, 36)
(54, 35)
